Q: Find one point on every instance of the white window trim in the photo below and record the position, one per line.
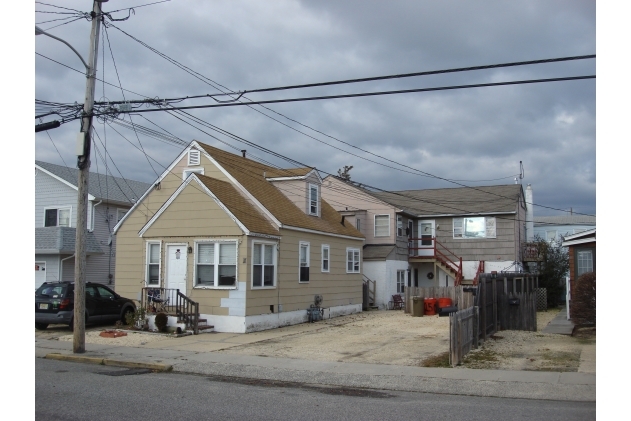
(194, 157)
(58, 209)
(216, 264)
(359, 260)
(399, 226)
(147, 263)
(358, 224)
(118, 211)
(187, 171)
(375, 226)
(317, 212)
(462, 237)
(328, 249)
(403, 284)
(304, 243)
(274, 262)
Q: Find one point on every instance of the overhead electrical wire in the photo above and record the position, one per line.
(368, 94)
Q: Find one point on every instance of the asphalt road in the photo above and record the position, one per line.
(72, 391)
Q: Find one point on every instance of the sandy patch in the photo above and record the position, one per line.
(132, 339)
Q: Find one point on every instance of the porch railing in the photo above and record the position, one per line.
(439, 252)
(478, 272)
(172, 302)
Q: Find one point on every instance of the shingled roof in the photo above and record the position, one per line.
(102, 187)
(455, 201)
(253, 176)
(565, 220)
(61, 240)
(238, 205)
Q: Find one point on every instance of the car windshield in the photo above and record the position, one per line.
(51, 291)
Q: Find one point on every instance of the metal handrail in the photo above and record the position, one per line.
(172, 301)
(440, 252)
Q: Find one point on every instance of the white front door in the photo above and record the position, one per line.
(426, 234)
(40, 274)
(176, 267)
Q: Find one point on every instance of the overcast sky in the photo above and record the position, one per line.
(472, 136)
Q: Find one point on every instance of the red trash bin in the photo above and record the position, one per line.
(430, 306)
(444, 302)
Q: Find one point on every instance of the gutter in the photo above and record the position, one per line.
(61, 266)
(93, 213)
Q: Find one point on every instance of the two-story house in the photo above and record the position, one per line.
(434, 237)
(56, 215)
(555, 228)
(255, 246)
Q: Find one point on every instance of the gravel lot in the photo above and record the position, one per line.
(391, 337)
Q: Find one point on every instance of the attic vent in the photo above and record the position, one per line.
(193, 157)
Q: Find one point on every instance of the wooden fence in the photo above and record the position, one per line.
(463, 334)
(459, 297)
(506, 301)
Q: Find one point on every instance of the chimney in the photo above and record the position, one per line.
(530, 225)
(243, 152)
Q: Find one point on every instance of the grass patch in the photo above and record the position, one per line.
(481, 358)
(439, 360)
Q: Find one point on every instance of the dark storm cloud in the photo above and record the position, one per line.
(475, 134)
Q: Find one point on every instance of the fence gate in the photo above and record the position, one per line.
(463, 334)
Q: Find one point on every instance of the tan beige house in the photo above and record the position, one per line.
(253, 245)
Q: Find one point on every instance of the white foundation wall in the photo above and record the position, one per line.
(236, 324)
(377, 271)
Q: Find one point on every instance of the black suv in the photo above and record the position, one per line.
(54, 304)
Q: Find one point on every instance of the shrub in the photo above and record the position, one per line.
(136, 318)
(584, 300)
(161, 321)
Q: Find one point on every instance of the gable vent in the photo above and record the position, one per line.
(193, 157)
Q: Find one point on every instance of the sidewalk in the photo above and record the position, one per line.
(560, 324)
(193, 354)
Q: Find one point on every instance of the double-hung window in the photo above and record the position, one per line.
(263, 265)
(352, 260)
(304, 262)
(153, 264)
(314, 200)
(399, 225)
(326, 251)
(474, 227)
(358, 224)
(382, 225)
(584, 262)
(216, 264)
(59, 217)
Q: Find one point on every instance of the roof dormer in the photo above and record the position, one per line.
(301, 186)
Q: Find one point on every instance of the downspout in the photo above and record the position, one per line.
(93, 213)
(61, 267)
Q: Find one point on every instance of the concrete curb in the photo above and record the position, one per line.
(108, 361)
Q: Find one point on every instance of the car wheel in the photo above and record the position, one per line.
(41, 326)
(127, 311)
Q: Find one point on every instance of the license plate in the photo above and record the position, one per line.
(43, 306)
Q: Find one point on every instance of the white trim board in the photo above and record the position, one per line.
(177, 192)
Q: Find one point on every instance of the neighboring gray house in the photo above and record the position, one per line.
(433, 237)
(558, 227)
(109, 198)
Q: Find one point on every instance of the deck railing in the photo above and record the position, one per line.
(172, 302)
(439, 252)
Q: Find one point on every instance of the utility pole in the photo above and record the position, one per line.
(83, 163)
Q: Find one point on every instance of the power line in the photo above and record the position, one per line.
(366, 94)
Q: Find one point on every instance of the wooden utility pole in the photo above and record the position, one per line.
(83, 163)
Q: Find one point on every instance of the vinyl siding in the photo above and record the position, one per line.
(51, 193)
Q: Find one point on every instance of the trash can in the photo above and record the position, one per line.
(430, 306)
(444, 302)
(417, 307)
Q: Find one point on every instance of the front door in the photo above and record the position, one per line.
(176, 267)
(427, 232)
